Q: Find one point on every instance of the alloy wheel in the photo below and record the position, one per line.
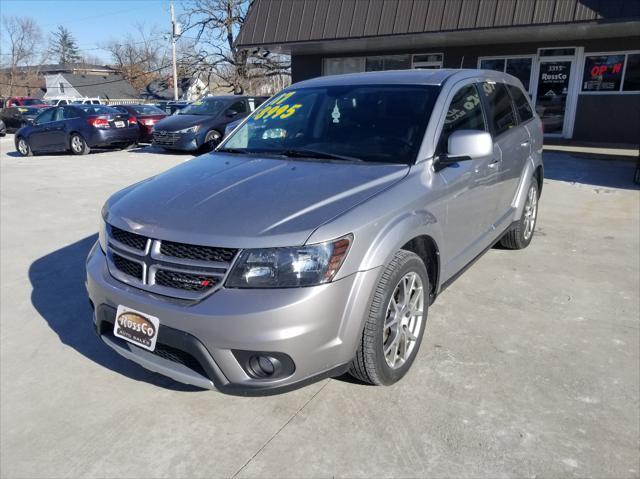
(23, 148)
(403, 320)
(530, 212)
(76, 144)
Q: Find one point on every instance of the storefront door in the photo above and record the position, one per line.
(556, 83)
(553, 94)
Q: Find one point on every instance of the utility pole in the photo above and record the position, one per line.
(175, 31)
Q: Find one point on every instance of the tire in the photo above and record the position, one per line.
(371, 364)
(520, 235)
(77, 145)
(211, 140)
(23, 147)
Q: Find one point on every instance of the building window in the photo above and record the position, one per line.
(427, 61)
(338, 66)
(611, 72)
(519, 67)
(375, 63)
(388, 62)
(632, 73)
(61, 85)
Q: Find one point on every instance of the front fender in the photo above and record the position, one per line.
(395, 234)
(383, 224)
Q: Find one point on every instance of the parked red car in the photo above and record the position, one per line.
(146, 115)
(26, 101)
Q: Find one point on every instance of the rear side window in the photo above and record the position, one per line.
(464, 113)
(523, 108)
(500, 113)
(67, 112)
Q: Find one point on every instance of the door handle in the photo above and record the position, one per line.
(525, 143)
(494, 163)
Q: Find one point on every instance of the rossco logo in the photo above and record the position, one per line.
(136, 325)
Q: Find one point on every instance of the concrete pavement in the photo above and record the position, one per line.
(529, 365)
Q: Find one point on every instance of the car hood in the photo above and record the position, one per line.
(244, 201)
(179, 122)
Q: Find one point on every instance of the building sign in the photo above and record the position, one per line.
(603, 73)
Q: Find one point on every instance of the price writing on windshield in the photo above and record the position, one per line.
(278, 109)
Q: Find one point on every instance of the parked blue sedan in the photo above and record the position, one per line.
(77, 128)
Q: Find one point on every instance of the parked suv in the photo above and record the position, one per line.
(201, 124)
(314, 239)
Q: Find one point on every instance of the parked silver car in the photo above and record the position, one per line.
(313, 241)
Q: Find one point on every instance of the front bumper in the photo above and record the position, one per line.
(318, 328)
(172, 140)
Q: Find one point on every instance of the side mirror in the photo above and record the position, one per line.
(231, 113)
(466, 145)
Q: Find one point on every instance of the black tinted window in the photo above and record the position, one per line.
(500, 109)
(523, 108)
(464, 113)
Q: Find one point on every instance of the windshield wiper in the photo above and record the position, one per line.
(303, 153)
(237, 151)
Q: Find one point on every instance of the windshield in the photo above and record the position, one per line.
(374, 123)
(147, 110)
(203, 107)
(31, 101)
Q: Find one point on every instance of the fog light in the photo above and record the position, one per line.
(262, 366)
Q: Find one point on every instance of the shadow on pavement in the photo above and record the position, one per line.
(59, 295)
(575, 168)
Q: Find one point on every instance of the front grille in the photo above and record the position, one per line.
(186, 281)
(163, 137)
(131, 240)
(128, 267)
(180, 357)
(201, 253)
(172, 269)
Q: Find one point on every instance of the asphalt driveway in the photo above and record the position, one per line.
(529, 366)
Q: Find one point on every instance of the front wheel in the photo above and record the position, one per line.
(23, 147)
(211, 140)
(78, 145)
(521, 234)
(394, 328)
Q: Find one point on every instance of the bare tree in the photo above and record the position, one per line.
(213, 27)
(24, 39)
(139, 58)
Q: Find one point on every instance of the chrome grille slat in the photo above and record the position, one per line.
(137, 260)
(163, 137)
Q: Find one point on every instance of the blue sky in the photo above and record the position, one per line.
(92, 22)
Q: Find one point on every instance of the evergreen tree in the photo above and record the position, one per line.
(63, 46)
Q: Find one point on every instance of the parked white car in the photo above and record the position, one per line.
(87, 101)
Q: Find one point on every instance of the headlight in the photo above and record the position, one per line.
(289, 267)
(102, 229)
(191, 129)
(102, 235)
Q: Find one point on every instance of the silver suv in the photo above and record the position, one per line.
(314, 239)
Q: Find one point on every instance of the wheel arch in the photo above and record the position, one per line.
(427, 249)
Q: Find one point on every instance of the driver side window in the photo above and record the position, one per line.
(464, 113)
(45, 117)
(238, 107)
